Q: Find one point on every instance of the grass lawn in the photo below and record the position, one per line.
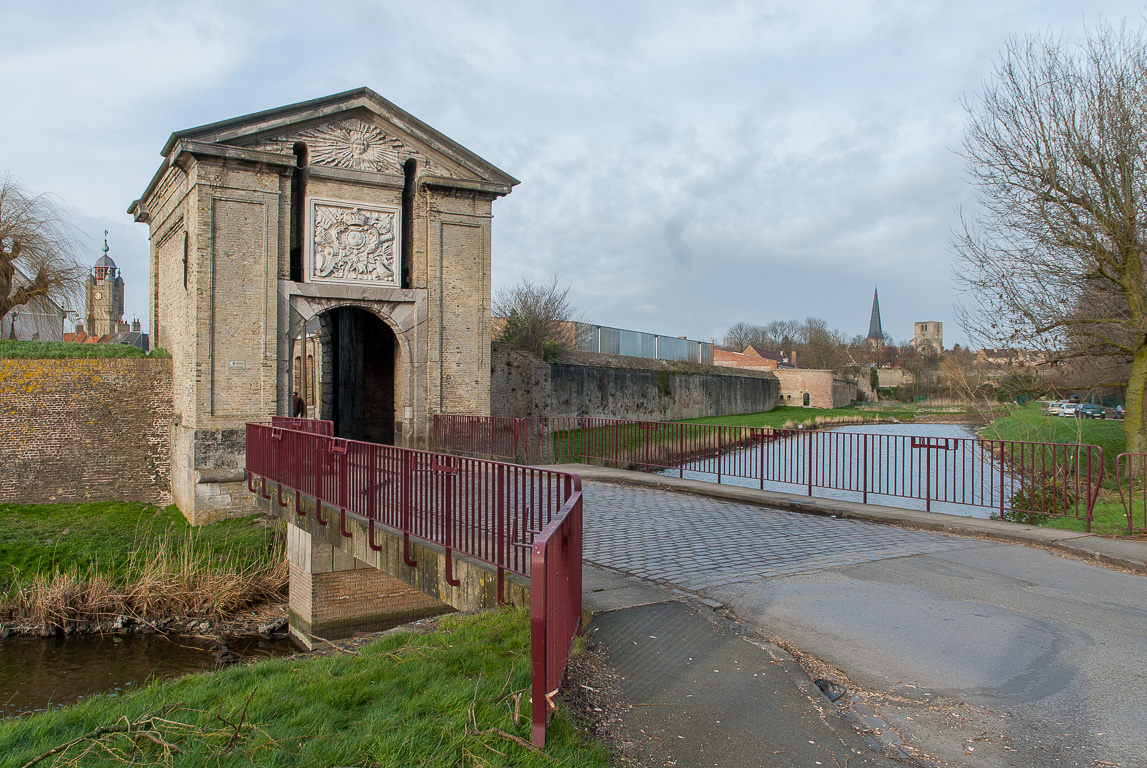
(42, 350)
(1032, 424)
(793, 415)
(99, 537)
(442, 698)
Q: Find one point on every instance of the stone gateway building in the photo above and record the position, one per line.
(345, 210)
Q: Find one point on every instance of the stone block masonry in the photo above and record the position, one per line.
(85, 430)
(613, 386)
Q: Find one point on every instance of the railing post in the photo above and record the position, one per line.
(681, 452)
(1001, 463)
(761, 450)
(808, 462)
(864, 466)
(500, 528)
(719, 464)
(928, 477)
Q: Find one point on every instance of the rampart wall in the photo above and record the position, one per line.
(85, 430)
(612, 386)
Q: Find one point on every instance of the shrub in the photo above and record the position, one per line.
(1033, 505)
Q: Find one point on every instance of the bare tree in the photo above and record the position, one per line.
(1054, 257)
(740, 336)
(537, 317)
(37, 252)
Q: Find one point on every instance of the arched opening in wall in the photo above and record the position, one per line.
(361, 354)
(806, 399)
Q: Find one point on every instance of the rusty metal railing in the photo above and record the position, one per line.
(515, 518)
(1131, 479)
(1022, 481)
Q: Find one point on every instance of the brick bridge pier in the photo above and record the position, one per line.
(342, 584)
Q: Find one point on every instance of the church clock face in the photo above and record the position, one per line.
(99, 295)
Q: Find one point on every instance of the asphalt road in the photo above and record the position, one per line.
(978, 653)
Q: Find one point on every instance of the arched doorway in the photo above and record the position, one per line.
(360, 353)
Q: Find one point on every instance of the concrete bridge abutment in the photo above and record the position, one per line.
(369, 580)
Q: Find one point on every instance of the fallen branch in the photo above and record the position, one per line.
(333, 645)
(242, 716)
(138, 728)
(516, 739)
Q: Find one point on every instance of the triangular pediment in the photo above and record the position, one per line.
(357, 130)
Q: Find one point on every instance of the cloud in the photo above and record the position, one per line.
(687, 166)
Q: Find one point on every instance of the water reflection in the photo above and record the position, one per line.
(948, 465)
(38, 672)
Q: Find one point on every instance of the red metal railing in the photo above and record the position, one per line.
(519, 519)
(314, 426)
(1131, 479)
(1023, 481)
(480, 435)
(555, 605)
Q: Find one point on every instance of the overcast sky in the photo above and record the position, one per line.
(684, 165)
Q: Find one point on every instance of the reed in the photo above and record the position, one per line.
(165, 576)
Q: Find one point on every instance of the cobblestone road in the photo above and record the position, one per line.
(698, 542)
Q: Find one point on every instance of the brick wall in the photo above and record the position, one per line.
(361, 599)
(824, 389)
(85, 430)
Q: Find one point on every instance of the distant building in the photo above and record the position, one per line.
(750, 359)
(875, 331)
(929, 336)
(104, 320)
(105, 297)
(999, 358)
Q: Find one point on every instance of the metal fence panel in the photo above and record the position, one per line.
(617, 341)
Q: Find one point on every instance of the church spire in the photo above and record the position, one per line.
(875, 332)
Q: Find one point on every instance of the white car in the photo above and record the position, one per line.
(1067, 409)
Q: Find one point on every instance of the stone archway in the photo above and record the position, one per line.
(370, 375)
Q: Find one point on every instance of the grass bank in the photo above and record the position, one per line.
(456, 696)
(45, 350)
(63, 564)
(791, 417)
(1031, 423)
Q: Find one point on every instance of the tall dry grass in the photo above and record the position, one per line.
(163, 578)
(820, 422)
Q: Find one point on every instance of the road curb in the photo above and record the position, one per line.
(1131, 555)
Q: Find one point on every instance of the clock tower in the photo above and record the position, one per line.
(105, 297)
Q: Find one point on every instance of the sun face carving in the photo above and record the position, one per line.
(354, 243)
(351, 143)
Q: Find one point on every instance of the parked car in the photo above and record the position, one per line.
(1089, 411)
(1073, 399)
(1067, 410)
(1053, 408)
(1118, 412)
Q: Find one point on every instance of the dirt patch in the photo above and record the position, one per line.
(594, 700)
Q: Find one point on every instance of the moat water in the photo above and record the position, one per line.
(966, 472)
(37, 673)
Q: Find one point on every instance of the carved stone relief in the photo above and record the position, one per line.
(351, 143)
(353, 243)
